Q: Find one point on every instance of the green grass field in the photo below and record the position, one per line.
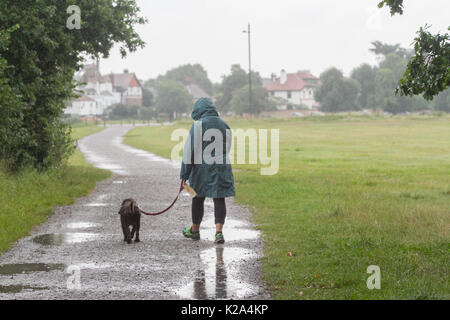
(351, 192)
(27, 198)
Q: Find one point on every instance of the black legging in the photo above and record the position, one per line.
(220, 210)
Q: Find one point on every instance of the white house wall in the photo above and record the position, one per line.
(106, 86)
(134, 92)
(304, 96)
(82, 108)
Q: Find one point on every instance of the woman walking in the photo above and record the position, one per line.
(211, 176)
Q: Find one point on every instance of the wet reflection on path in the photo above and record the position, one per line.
(219, 278)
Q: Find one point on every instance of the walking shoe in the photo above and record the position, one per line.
(219, 238)
(188, 233)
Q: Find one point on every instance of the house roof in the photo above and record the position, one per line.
(196, 92)
(121, 81)
(124, 80)
(294, 82)
(105, 79)
(90, 73)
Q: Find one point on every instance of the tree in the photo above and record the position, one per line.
(337, 93)
(387, 76)
(190, 73)
(384, 96)
(351, 90)
(234, 87)
(12, 134)
(365, 75)
(172, 98)
(237, 79)
(235, 84)
(384, 82)
(121, 111)
(396, 6)
(147, 113)
(384, 49)
(239, 101)
(396, 64)
(442, 101)
(428, 71)
(42, 56)
(147, 97)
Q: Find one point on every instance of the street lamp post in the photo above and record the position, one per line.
(249, 71)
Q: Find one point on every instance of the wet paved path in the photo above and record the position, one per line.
(85, 239)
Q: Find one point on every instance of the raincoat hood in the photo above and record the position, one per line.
(202, 108)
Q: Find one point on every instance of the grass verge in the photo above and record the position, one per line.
(351, 192)
(28, 198)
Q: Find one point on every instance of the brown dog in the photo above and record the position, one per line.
(130, 215)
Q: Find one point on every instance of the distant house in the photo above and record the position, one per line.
(129, 87)
(194, 90)
(99, 92)
(295, 88)
(83, 106)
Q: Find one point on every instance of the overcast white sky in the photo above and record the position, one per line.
(289, 34)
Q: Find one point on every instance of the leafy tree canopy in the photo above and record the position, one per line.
(337, 93)
(428, 71)
(395, 63)
(442, 101)
(239, 101)
(173, 97)
(42, 56)
(384, 49)
(237, 79)
(190, 73)
(387, 75)
(396, 6)
(121, 111)
(365, 75)
(232, 83)
(147, 97)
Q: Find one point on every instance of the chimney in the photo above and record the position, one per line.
(283, 76)
(273, 77)
(125, 71)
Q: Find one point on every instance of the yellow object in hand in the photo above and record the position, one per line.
(189, 190)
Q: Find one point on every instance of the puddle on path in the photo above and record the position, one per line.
(118, 142)
(11, 269)
(219, 278)
(96, 204)
(101, 162)
(82, 225)
(55, 239)
(19, 288)
(233, 230)
(101, 197)
(232, 234)
(92, 265)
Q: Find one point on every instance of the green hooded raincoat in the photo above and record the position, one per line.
(212, 180)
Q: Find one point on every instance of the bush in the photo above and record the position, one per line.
(121, 111)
